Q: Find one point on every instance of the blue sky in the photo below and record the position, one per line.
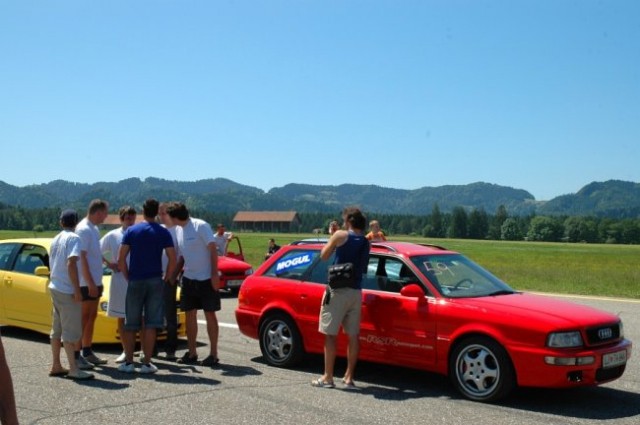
(539, 95)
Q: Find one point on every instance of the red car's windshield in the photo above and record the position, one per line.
(456, 276)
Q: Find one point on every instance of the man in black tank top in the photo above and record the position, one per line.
(341, 307)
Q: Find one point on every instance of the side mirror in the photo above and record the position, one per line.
(42, 271)
(412, 290)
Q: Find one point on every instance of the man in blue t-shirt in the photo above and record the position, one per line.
(144, 243)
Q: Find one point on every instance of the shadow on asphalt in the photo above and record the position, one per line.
(178, 373)
(388, 383)
(396, 383)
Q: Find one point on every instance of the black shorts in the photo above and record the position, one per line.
(84, 290)
(198, 295)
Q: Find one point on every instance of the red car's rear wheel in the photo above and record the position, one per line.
(280, 341)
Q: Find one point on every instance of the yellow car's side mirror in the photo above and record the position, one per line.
(42, 271)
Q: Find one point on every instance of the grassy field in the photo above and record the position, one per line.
(583, 269)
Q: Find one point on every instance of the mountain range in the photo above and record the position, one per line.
(613, 198)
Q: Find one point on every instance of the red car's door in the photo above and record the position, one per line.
(395, 328)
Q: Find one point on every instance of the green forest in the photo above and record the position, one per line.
(460, 223)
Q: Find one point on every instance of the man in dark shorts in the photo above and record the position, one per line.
(200, 280)
(144, 243)
(90, 268)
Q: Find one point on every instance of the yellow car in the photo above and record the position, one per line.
(25, 301)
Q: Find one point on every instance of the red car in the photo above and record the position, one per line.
(433, 309)
(232, 268)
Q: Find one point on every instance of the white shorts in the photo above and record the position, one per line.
(117, 296)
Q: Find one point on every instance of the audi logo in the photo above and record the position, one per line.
(605, 333)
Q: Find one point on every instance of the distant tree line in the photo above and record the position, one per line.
(460, 223)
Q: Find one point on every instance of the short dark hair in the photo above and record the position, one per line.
(68, 219)
(178, 210)
(150, 208)
(355, 218)
(98, 205)
(126, 211)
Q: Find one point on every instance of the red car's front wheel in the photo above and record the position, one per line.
(481, 370)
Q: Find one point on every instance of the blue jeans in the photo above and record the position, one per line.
(144, 297)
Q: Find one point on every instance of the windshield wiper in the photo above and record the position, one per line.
(501, 292)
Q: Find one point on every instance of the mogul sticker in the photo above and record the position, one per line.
(293, 262)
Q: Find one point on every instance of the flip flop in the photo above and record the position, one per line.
(320, 383)
(58, 373)
(350, 385)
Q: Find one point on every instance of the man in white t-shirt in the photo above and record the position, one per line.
(64, 287)
(91, 274)
(200, 280)
(109, 246)
(222, 238)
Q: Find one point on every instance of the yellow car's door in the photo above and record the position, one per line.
(8, 251)
(27, 301)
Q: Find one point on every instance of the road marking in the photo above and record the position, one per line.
(222, 325)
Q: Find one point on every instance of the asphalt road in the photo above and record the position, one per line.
(244, 390)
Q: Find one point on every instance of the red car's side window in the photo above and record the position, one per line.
(294, 264)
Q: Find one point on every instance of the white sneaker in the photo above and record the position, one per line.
(121, 358)
(127, 368)
(83, 364)
(148, 368)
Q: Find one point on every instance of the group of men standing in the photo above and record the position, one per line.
(146, 260)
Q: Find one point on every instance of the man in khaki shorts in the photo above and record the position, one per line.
(66, 297)
(341, 307)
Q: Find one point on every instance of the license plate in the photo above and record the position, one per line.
(234, 283)
(614, 359)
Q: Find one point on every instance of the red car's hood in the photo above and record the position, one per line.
(539, 308)
(231, 264)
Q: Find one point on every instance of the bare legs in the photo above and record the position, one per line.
(213, 331)
(330, 357)
(192, 331)
(89, 314)
(8, 413)
(69, 348)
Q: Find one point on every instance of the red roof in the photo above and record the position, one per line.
(262, 216)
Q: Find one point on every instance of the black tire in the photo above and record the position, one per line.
(280, 341)
(481, 369)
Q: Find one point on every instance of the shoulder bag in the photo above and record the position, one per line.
(341, 276)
